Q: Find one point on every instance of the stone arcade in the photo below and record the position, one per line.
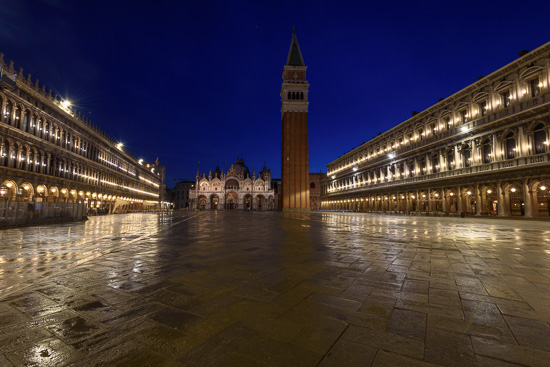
(482, 151)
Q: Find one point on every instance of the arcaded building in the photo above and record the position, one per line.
(482, 151)
(50, 153)
(236, 189)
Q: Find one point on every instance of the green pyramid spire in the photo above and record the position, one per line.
(294, 54)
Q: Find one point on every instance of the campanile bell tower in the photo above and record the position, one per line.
(295, 145)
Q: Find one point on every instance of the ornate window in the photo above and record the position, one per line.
(506, 98)
(463, 116)
(7, 114)
(486, 151)
(25, 123)
(435, 164)
(483, 108)
(510, 146)
(467, 154)
(539, 137)
(450, 160)
(534, 87)
(4, 156)
(32, 125)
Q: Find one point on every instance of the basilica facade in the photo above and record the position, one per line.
(235, 189)
(482, 151)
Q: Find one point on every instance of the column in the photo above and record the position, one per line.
(528, 200)
(478, 200)
(496, 150)
(500, 203)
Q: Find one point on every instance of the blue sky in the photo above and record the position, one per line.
(200, 81)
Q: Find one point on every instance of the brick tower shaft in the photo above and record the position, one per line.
(295, 146)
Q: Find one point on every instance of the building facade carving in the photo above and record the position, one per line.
(49, 152)
(235, 189)
(482, 151)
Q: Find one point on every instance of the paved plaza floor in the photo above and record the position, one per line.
(276, 289)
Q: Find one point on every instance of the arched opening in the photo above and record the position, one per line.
(8, 190)
(247, 202)
(4, 154)
(543, 200)
(41, 192)
(231, 184)
(453, 204)
(231, 201)
(490, 201)
(40, 130)
(423, 201)
(32, 125)
(517, 206)
(214, 201)
(470, 200)
(8, 113)
(64, 194)
(312, 185)
(27, 191)
(260, 202)
(53, 194)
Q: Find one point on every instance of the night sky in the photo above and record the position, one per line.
(189, 81)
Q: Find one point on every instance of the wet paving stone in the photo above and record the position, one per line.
(174, 318)
(74, 329)
(276, 289)
(16, 339)
(45, 352)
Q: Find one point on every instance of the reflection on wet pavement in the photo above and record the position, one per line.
(276, 289)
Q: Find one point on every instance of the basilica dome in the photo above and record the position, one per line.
(239, 168)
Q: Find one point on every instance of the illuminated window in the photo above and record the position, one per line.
(450, 160)
(506, 98)
(467, 156)
(510, 146)
(486, 147)
(534, 87)
(540, 139)
(483, 108)
(463, 115)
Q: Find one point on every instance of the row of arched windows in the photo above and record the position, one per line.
(296, 95)
(528, 86)
(23, 157)
(31, 123)
(462, 157)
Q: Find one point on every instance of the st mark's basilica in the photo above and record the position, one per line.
(235, 189)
